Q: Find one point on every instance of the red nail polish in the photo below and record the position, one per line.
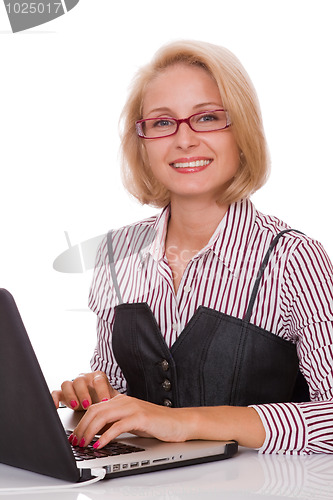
(70, 439)
(73, 403)
(96, 445)
(85, 403)
(75, 441)
(82, 442)
(105, 399)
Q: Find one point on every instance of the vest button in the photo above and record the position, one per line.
(166, 385)
(167, 403)
(165, 365)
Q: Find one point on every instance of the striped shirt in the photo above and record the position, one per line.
(294, 301)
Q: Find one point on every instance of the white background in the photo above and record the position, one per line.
(62, 88)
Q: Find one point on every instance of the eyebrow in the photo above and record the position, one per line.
(203, 104)
(195, 107)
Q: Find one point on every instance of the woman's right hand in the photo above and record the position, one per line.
(84, 390)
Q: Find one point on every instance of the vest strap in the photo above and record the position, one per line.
(113, 268)
(261, 272)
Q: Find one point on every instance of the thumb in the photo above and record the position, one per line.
(56, 396)
(102, 387)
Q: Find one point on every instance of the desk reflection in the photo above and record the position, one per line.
(297, 476)
(244, 477)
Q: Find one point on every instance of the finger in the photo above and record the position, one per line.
(56, 396)
(127, 424)
(91, 423)
(102, 388)
(81, 390)
(98, 418)
(68, 396)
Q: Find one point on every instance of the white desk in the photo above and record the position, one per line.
(247, 476)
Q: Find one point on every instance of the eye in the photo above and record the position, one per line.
(209, 121)
(207, 117)
(162, 122)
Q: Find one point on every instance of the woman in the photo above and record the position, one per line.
(206, 311)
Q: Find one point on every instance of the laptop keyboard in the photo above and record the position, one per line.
(111, 449)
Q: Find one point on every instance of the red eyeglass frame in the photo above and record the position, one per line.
(178, 122)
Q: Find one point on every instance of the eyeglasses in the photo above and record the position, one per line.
(207, 121)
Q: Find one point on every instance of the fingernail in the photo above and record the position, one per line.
(105, 399)
(85, 403)
(73, 403)
(70, 439)
(96, 445)
(74, 441)
(82, 442)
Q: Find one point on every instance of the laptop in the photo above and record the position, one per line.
(32, 435)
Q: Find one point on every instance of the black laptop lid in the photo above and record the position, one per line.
(31, 434)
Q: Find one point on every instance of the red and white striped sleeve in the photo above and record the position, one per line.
(307, 304)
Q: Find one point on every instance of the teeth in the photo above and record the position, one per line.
(198, 163)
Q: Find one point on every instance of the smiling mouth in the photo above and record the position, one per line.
(191, 164)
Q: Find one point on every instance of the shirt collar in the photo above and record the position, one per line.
(228, 242)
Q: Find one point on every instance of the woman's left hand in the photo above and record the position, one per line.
(126, 414)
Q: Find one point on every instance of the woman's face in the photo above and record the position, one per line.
(178, 92)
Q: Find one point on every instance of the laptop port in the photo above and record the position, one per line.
(145, 462)
(116, 468)
(161, 460)
(134, 464)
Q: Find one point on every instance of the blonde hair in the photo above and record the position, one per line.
(239, 98)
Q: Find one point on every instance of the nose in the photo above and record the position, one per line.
(186, 137)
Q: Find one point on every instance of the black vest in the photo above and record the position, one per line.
(216, 360)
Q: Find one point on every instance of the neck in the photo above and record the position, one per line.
(192, 224)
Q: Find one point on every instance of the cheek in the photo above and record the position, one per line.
(149, 152)
(230, 151)
(155, 152)
(153, 158)
(235, 156)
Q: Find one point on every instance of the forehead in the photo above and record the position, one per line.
(180, 85)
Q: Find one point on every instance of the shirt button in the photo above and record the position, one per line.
(187, 288)
(165, 365)
(175, 326)
(166, 385)
(167, 402)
